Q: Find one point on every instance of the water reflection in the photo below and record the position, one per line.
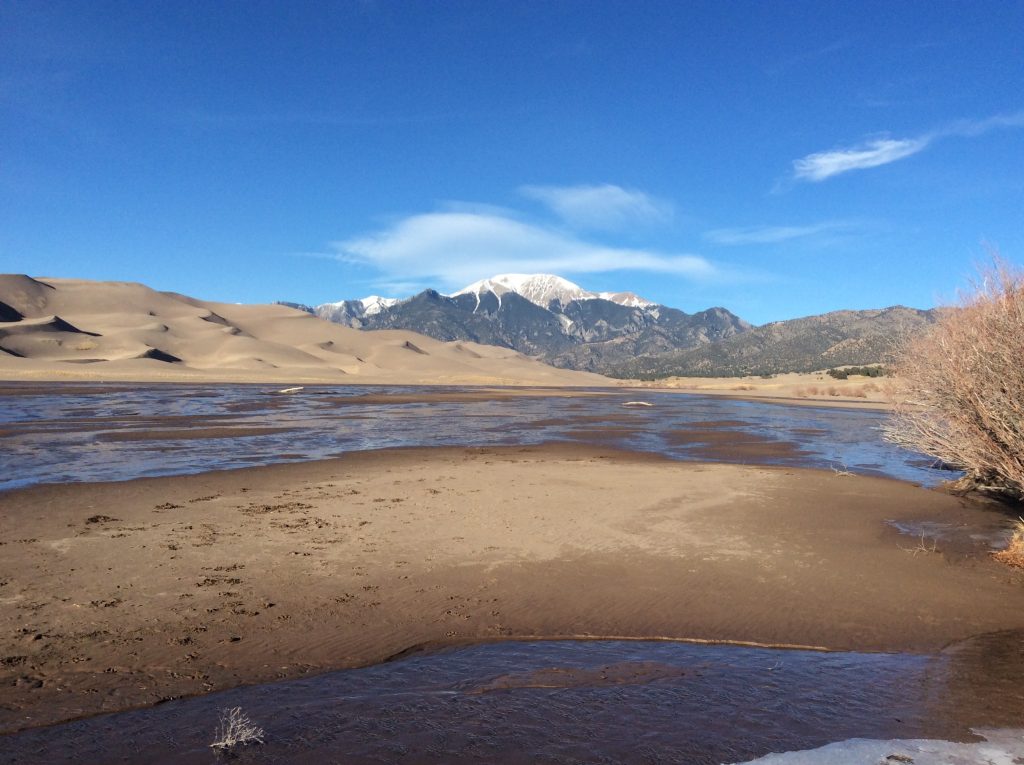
(69, 433)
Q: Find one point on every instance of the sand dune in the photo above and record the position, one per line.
(78, 329)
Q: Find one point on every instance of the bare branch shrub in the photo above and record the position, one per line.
(235, 728)
(962, 393)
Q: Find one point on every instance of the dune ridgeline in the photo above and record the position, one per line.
(85, 330)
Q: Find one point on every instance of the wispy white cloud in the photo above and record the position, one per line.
(972, 128)
(808, 56)
(770, 234)
(881, 151)
(388, 287)
(450, 249)
(604, 206)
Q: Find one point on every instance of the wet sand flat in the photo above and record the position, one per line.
(117, 595)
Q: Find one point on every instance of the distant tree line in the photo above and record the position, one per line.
(842, 374)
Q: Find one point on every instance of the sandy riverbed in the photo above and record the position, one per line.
(122, 594)
(800, 388)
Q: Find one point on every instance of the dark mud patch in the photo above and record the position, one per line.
(733, 446)
(711, 424)
(189, 434)
(428, 397)
(604, 435)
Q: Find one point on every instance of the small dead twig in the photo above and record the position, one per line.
(922, 547)
(235, 728)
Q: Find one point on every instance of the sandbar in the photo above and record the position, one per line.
(123, 594)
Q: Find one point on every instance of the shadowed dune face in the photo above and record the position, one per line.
(7, 313)
(52, 327)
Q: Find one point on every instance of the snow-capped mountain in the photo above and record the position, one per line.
(539, 289)
(621, 334)
(542, 289)
(354, 313)
(543, 315)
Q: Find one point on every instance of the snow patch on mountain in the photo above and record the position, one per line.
(541, 289)
(628, 299)
(367, 306)
(354, 313)
(374, 304)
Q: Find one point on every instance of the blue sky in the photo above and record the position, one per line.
(777, 158)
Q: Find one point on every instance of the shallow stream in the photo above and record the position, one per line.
(518, 702)
(78, 433)
(583, 702)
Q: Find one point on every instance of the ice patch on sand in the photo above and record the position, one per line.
(1001, 747)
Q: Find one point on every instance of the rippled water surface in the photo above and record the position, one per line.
(575, 702)
(72, 433)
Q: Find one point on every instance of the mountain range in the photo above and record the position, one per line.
(621, 334)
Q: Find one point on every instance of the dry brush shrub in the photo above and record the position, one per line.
(961, 397)
(1014, 552)
(234, 729)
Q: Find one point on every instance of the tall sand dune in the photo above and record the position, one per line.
(77, 329)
